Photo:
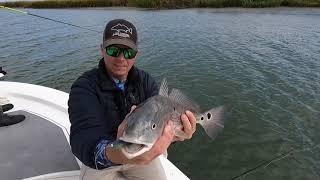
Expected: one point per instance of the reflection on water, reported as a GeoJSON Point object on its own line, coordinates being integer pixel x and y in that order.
{"type": "Point", "coordinates": [261, 63]}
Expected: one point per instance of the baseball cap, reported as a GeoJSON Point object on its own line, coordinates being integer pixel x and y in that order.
{"type": "Point", "coordinates": [120, 31]}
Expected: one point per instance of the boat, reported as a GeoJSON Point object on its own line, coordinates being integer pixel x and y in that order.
{"type": "Point", "coordinates": [38, 147]}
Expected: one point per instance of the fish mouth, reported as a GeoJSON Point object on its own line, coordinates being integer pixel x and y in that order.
{"type": "Point", "coordinates": [134, 148]}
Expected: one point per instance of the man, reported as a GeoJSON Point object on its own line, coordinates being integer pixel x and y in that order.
{"type": "Point", "coordinates": [99, 101]}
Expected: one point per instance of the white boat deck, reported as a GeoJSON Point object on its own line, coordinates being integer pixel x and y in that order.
{"type": "Point", "coordinates": [50, 105]}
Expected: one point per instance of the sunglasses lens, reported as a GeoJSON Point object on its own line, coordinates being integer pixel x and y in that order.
{"type": "Point", "coordinates": [113, 51]}
{"type": "Point", "coordinates": [129, 53]}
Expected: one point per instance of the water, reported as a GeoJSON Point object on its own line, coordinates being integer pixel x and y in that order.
{"type": "Point", "coordinates": [262, 63]}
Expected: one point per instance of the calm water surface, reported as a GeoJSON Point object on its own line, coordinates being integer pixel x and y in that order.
{"type": "Point", "coordinates": [263, 64]}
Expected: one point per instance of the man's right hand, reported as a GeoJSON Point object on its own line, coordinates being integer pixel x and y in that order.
{"type": "Point", "coordinates": [159, 147]}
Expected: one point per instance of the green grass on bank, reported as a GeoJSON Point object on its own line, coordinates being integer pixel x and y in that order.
{"type": "Point", "coordinates": [163, 3]}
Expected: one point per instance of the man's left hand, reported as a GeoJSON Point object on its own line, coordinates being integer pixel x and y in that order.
{"type": "Point", "coordinates": [189, 126]}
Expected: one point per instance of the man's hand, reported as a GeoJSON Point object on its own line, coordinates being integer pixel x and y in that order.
{"type": "Point", "coordinates": [159, 147]}
{"type": "Point", "coordinates": [189, 126]}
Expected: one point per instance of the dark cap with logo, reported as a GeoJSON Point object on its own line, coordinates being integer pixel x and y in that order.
{"type": "Point", "coordinates": [120, 31]}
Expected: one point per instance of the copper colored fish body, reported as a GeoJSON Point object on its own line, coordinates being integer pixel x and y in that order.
{"type": "Point", "coordinates": [145, 124]}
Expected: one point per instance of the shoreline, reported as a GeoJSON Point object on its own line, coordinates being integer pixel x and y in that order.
{"type": "Point", "coordinates": [162, 4]}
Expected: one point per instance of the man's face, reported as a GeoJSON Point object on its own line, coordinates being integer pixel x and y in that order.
{"type": "Point", "coordinates": [118, 67]}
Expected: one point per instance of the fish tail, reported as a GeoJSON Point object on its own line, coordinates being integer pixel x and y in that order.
{"type": "Point", "coordinates": [212, 121]}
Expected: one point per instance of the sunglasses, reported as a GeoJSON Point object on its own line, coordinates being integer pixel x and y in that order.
{"type": "Point", "coordinates": [115, 51]}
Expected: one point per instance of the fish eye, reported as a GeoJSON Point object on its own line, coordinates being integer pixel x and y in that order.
{"type": "Point", "coordinates": [154, 126]}
{"type": "Point", "coordinates": [201, 118]}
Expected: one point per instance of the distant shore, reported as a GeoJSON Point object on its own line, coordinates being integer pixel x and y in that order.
{"type": "Point", "coordinates": [163, 4]}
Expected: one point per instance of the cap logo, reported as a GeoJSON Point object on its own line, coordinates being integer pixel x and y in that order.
{"type": "Point", "coordinates": [121, 30]}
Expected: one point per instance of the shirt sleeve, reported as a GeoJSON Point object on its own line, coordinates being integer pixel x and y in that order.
{"type": "Point", "coordinates": [101, 160]}
{"type": "Point", "coordinates": [88, 122]}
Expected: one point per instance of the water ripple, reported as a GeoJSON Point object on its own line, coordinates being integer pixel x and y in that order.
{"type": "Point", "coordinates": [263, 64]}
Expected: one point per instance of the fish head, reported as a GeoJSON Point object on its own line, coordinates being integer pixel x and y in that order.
{"type": "Point", "coordinates": [144, 126]}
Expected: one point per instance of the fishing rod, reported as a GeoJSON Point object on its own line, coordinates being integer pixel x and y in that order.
{"type": "Point", "coordinates": [265, 164]}
{"type": "Point", "coordinates": [35, 15]}
{"type": "Point", "coordinates": [277, 158]}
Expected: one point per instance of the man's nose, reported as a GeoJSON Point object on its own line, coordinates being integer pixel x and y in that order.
{"type": "Point", "coordinates": [121, 57]}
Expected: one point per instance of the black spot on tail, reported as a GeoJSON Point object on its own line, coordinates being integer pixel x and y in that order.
{"type": "Point", "coordinates": [209, 115]}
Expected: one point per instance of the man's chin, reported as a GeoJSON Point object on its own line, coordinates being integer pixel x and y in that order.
{"type": "Point", "coordinates": [120, 75]}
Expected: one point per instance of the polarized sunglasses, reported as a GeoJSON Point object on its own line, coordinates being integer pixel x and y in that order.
{"type": "Point", "coordinates": [115, 51]}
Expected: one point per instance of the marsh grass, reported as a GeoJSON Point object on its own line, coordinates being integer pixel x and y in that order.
{"type": "Point", "coordinates": [159, 4]}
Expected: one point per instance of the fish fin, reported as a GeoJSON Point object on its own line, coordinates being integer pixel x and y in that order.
{"type": "Point", "coordinates": [212, 121]}
{"type": "Point", "coordinates": [164, 90]}
{"type": "Point", "coordinates": [177, 96]}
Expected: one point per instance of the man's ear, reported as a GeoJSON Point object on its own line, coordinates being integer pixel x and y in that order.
{"type": "Point", "coordinates": [101, 50]}
{"type": "Point", "coordinates": [138, 53]}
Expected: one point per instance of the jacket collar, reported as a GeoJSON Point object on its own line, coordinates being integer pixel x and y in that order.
{"type": "Point", "coordinates": [106, 82]}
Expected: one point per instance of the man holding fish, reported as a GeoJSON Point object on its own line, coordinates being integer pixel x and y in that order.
{"type": "Point", "coordinates": [112, 138]}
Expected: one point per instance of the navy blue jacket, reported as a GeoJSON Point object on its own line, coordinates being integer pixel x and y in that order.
{"type": "Point", "coordinates": [97, 107]}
